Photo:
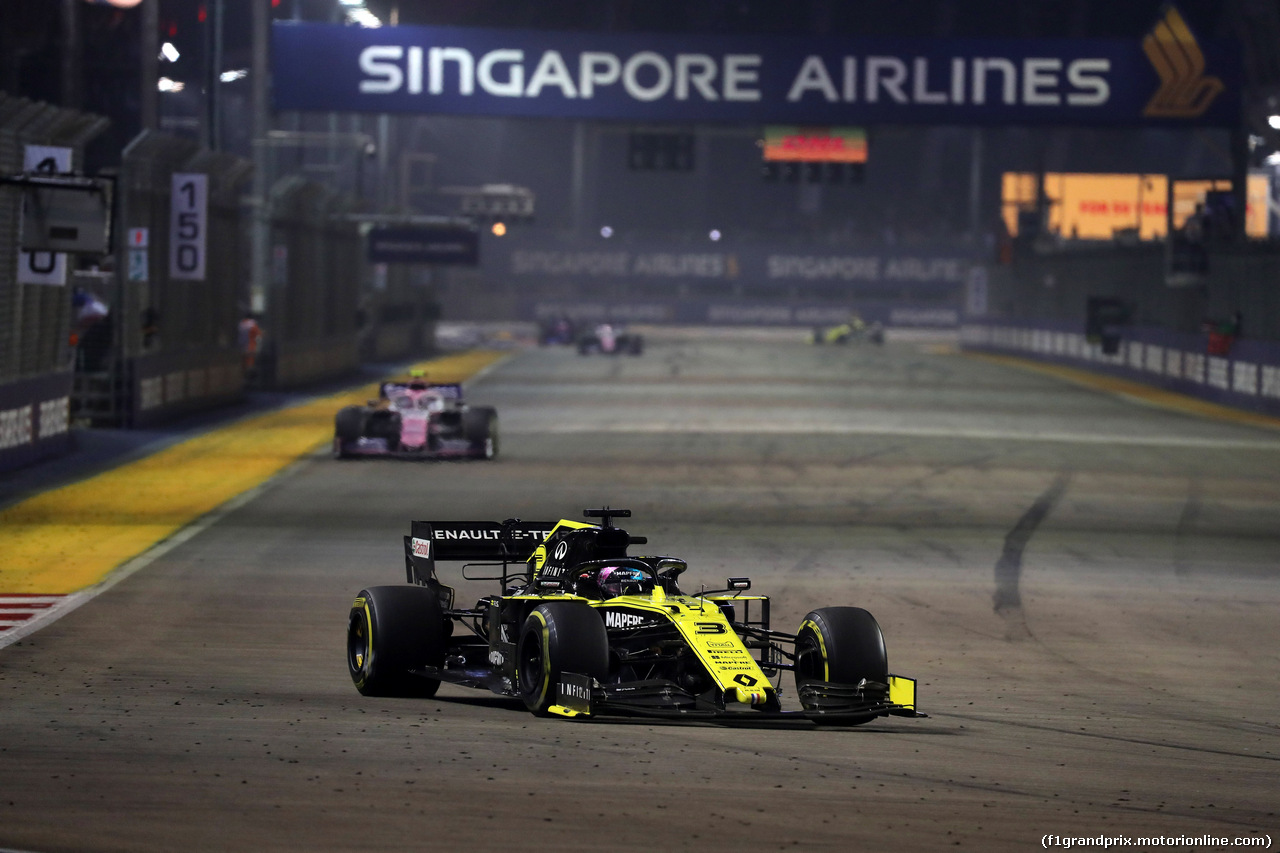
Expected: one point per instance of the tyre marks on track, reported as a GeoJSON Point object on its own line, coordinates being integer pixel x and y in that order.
{"type": "Point", "coordinates": [1183, 558]}
{"type": "Point", "coordinates": [1007, 600]}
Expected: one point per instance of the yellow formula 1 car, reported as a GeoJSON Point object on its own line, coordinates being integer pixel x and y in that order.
{"type": "Point", "coordinates": [854, 330]}
{"type": "Point", "coordinates": [584, 628]}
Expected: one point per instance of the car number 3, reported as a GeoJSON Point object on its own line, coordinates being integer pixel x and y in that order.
{"type": "Point", "coordinates": [709, 627]}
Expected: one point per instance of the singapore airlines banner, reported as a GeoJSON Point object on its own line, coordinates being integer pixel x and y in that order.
{"type": "Point", "coordinates": [1166, 78]}
{"type": "Point", "coordinates": [753, 284]}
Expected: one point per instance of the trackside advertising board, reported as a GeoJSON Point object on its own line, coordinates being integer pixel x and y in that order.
{"type": "Point", "coordinates": [424, 245]}
{"type": "Point", "coordinates": [1167, 77]}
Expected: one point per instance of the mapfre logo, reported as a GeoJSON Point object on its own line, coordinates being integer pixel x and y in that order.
{"type": "Point", "coordinates": [614, 619]}
{"type": "Point", "coordinates": [1185, 91]}
{"type": "Point", "coordinates": [421, 547]}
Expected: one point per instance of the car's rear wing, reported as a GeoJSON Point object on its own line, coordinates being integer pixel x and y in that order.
{"type": "Point", "coordinates": [510, 541]}
{"type": "Point", "coordinates": [447, 390]}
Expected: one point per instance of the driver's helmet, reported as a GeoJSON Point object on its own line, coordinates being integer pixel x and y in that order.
{"type": "Point", "coordinates": [623, 580]}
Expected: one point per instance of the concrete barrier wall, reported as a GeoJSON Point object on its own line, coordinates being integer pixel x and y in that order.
{"type": "Point", "coordinates": [34, 419]}
{"type": "Point", "coordinates": [1247, 378]}
{"type": "Point", "coordinates": [298, 364]}
{"type": "Point", "coordinates": [167, 386]}
{"type": "Point", "coordinates": [35, 318]}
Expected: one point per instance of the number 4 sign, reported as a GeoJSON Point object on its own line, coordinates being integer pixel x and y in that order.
{"type": "Point", "coordinates": [188, 218]}
{"type": "Point", "coordinates": [44, 267]}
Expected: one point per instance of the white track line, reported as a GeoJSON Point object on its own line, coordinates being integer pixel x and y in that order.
{"type": "Point", "coordinates": [146, 558]}
{"type": "Point", "coordinates": [16, 610]}
{"type": "Point", "coordinates": [45, 610]}
{"type": "Point", "coordinates": [739, 426]}
{"type": "Point", "coordinates": [34, 618]}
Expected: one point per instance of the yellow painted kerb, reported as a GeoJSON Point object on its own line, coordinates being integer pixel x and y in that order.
{"type": "Point", "coordinates": [1134, 390]}
{"type": "Point", "coordinates": [70, 538]}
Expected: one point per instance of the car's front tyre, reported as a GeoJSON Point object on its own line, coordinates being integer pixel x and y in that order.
{"type": "Point", "coordinates": [559, 637]}
{"type": "Point", "coordinates": [348, 427]}
{"type": "Point", "coordinates": [840, 645]}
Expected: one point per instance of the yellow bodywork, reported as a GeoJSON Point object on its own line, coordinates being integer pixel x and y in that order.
{"type": "Point", "coordinates": [699, 621]}
{"type": "Point", "coordinates": [708, 634]}
{"type": "Point", "coordinates": [902, 691]}
{"type": "Point", "coordinates": [712, 639]}
{"type": "Point", "coordinates": [539, 556]}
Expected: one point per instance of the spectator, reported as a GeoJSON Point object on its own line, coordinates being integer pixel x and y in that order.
{"type": "Point", "coordinates": [1190, 254]}
{"type": "Point", "coordinates": [1223, 334]}
{"type": "Point", "coordinates": [150, 326]}
{"type": "Point", "coordinates": [91, 334]}
{"type": "Point", "coordinates": [250, 343]}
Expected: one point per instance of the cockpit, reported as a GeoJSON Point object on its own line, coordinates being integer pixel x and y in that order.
{"type": "Point", "coordinates": [605, 579]}
{"type": "Point", "coordinates": [592, 562]}
{"type": "Point", "coordinates": [421, 403]}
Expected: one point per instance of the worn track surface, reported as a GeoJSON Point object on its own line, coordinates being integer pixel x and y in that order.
{"type": "Point", "coordinates": [1086, 589]}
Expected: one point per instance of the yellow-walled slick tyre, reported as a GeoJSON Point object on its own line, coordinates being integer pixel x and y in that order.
{"type": "Point", "coordinates": [840, 645]}
{"type": "Point", "coordinates": [559, 637]}
{"type": "Point", "coordinates": [392, 630]}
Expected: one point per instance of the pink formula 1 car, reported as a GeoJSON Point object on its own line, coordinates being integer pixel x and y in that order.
{"type": "Point", "coordinates": [610, 340]}
{"type": "Point", "coordinates": [417, 420]}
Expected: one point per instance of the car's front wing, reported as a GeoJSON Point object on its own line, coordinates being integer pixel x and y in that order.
{"type": "Point", "coordinates": [578, 695]}
{"type": "Point", "coordinates": [448, 449]}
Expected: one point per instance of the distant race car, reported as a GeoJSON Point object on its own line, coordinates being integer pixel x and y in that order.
{"type": "Point", "coordinates": [610, 340]}
{"type": "Point", "coordinates": [582, 628]}
{"type": "Point", "coordinates": [855, 330]}
{"type": "Point", "coordinates": [414, 419]}
{"type": "Point", "coordinates": [559, 331]}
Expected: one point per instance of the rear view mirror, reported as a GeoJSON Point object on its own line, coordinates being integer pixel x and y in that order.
{"type": "Point", "coordinates": [740, 584]}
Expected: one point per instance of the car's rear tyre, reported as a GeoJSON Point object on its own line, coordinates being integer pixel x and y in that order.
{"type": "Point", "coordinates": [348, 426]}
{"type": "Point", "coordinates": [390, 631]}
{"type": "Point", "coordinates": [559, 637]}
{"type": "Point", "coordinates": [480, 425]}
{"type": "Point", "coordinates": [841, 645]}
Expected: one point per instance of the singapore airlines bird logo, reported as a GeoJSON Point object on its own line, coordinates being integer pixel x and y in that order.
{"type": "Point", "coordinates": [1184, 90]}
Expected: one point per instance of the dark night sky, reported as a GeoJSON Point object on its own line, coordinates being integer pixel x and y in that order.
{"type": "Point", "coordinates": [30, 30]}
{"type": "Point", "coordinates": [916, 174]}
{"type": "Point", "coordinates": [1013, 18]}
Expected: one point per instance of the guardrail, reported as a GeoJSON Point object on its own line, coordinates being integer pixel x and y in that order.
{"type": "Point", "coordinates": [1246, 377]}
{"type": "Point", "coordinates": [35, 290]}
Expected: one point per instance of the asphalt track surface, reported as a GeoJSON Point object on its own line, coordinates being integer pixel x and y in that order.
{"type": "Point", "coordinates": [1085, 586]}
